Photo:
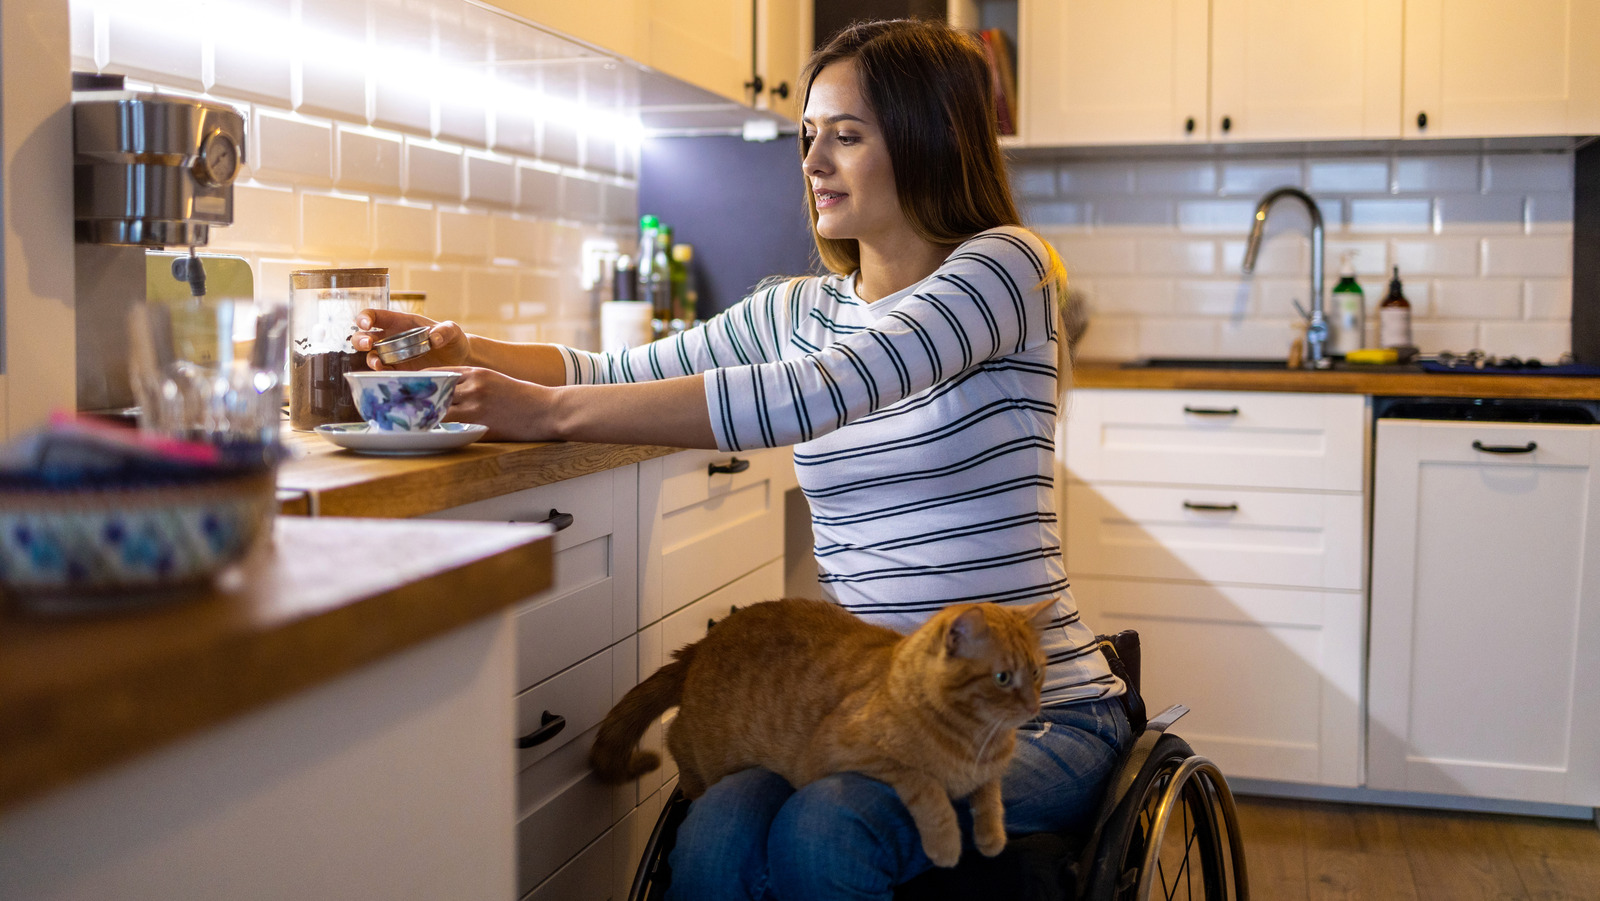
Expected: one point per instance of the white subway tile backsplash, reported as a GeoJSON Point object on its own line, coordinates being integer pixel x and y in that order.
{"type": "Point", "coordinates": [1218, 216]}
{"type": "Point", "coordinates": [581, 199]}
{"type": "Point", "coordinates": [81, 19]}
{"type": "Point", "coordinates": [1087, 255]}
{"type": "Point", "coordinates": [1109, 337]}
{"type": "Point", "coordinates": [272, 275]}
{"type": "Point", "coordinates": [399, 105]}
{"type": "Point", "coordinates": [1480, 213]}
{"type": "Point", "coordinates": [1095, 178]}
{"type": "Point", "coordinates": [432, 169]}
{"type": "Point", "coordinates": [336, 224]}
{"type": "Point", "coordinates": [264, 218]}
{"type": "Point", "coordinates": [560, 143]}
{"type": "Point", "coordinates": [1348, 176]}
{"type": "Point", "coordinates": [332, 85]}
{"type": "Point", "coordinates": [621, 202]}
{"type": "Point", "coordinates": [1525, 172]}
{"type": "Point", "coordinates": [464, 235]}
{"type": "Point", "coordinates": [1277, 297]}
{"type": "Point", "coordinates": [1437, 173]}
{"type": "Point", "coordinates": [491, 180]}
{"type": "Point", "coordinates": [1160, 177]}
{"type": "Point", "coordinates": [252, 65]}
{"type": "Point", "coordinates": [1213, 298]}
{"type": "Point", "coordinates": [1404, 215]}
{"type": "Point", "coordinates": [516, 130]}
{"type": "Point", "coordinates": [538, 189]}
{"type": "Point", "coordinates": [465, 119]}
{"type": "Point", "coordinates": [1258, 177]}
{"type": "Point", "coordinates": [1144, 296]}
{"type": "Point", "coordinates": [1063, 213]}
{"type": "Point", "coordinates": [1178, 338]}
{"type": "Point", "coordinates": [492, 293]}
{"type": "Point", "coordinates": [1279, 254]}
{"type": "Point", "coordinates": [293, 148]}
{"type": "Point", "coordinates": [1540, 255]}
{"type": "Point", "coordinates": [1034, 181]}
{"type": "Point", "coordinates": [1368, 257]}
{"type": "Point", "coordinates": [523, 240]}
{"type": "Point", "coordinates": [1546, 341]}
{"type": "Point", "coordinates": [446, 287]}
{"type": "Point", "coordinates": [1549, 213]}
{"type": "Point", "coordinates": [143, 46]}
{"type": "Point", "coordinates": [1437, 256]}
{"type": "Point", "coordinates": [1479, 298]}
{"type": "Point", "coordinates": [1267, 339]}
{"type": "Point", "coordinates": [369, 160]}
{"type": "Point", "coordinates": [1433, 336]}
{"type": "Point", "coordinates": [1159, 256]}
{"type": "Point", "coordinates": [405, 230]}
{"type": "Point", "coordinates": [1134, 212]}
{"type": "Point", "coordinates": [1548, 298]}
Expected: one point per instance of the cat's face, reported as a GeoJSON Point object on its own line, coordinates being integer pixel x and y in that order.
{"type": "Point", "coordinates": [993, 660]}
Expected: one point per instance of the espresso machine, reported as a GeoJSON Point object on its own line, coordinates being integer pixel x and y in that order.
{"type": "Point", "coordinates": [152, 173]}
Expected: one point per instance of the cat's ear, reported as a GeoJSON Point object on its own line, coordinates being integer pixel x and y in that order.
{"type": "Point", "coordinates": [1040, 615]}
{"type": "Point", "coordinates": [966, 628]}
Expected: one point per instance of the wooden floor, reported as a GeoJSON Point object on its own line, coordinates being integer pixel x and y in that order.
{"type": "Point", "coordinates": [1308, 851]}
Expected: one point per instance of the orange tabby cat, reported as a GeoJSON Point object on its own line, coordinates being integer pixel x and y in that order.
{"type": "Point", "coordinates": [806, 689]}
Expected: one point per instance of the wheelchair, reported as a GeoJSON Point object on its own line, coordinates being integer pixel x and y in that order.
{"type": "Point", "coordinates": [1166, 828]}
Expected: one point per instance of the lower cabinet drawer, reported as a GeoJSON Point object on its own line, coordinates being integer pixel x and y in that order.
{"type": "Point", "coordinates": [1273, 676]}
{"type": "Point", "coordinates": [1305, 539]}
{"type": "Point", "coordinates": [564, 806]}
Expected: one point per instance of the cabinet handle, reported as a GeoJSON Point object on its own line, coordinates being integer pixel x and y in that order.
{"type": "Point", "coordinates": [1211, 411]}
{"type": "Point", "coordinates": [1227, 124]}
{"type": "Point", "coordinates": [734, 464]}
{"type": "Point", "coordinates": [1211, 508]}
{"type": "Point", "coordinates": [1188, 126]}
{"type": "Point", "coordinates": [1529, 448]}
{"type": "Point", "coordinates": [557, 519]}
{"type": "Point", "coordinates": [1422, 120]}
{"type": "Point", "coordinates": [549, 725]}
{"type": "Point", "coordinates": [781, 90]}
{"type": "Point", "coordinates": [711, 623]}
{"type": "Point", "coordinates": [755, 85]}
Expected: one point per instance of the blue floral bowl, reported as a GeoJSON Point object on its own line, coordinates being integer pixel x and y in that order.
{"type": "Point", "coordinates": [98, 543]}
{"type": "Point", "coordinates": [402, 401]}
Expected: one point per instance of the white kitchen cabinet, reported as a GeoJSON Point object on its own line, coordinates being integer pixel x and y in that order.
{"type": "Point", "coordinates": [1485, 647]}
{"type": "Point", "coordinates": [1171, 71]}
{"type": "Point", "coordinates": [1498, 67]}
{"type": "Point", "coordinates": [1229, 528]}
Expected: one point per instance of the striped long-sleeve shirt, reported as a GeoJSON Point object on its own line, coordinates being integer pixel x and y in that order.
{"type": "Point", "coordinates": [923, 426]}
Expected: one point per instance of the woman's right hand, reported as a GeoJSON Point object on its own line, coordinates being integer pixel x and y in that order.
{"type": "Point", "coordinates": [451, 346]}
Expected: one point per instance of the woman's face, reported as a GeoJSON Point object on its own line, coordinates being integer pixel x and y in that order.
{"type": "Point", "coordinates": [847, 166]}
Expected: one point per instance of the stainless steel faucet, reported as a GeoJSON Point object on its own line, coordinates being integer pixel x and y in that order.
{"type": "Point", "coordinates": [1316, 318]}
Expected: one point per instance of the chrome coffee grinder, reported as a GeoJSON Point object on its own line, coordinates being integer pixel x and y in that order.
{"type": "Point", "coordinates": [151, 172]}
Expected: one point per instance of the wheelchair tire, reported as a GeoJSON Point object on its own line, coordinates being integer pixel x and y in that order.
{"type": "Point", "coordinates": [1190, 863]}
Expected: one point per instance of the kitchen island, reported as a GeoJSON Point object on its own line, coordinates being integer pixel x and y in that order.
{"type": "Point", "coordinates": [1378, 381]}
{"type": "Point", "coordinates": [330, 721]}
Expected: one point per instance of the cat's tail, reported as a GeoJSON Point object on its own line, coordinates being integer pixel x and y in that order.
{"type": "Point", "coordinates": [616, 756]}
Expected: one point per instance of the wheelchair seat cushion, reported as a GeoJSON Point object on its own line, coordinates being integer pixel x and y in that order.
{"type": "Point", "coordinates": [1038, 867]}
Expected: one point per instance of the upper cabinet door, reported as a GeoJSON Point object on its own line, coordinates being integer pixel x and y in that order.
{"type": "Point", "coordinates": [613, 25]}
{"type": "Point", "coordinates": [708, 44]}
{"type": "Point", "coordinates": [783, 35]}
{"type": "Point", "coordinates": [1501, 67]}
{"type": "Point", "coordinates": [1113, 71]}
{"type": "Point", "coordinates": [1305, 69]}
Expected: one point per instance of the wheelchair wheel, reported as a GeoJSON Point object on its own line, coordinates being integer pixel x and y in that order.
{"type": "Point", "coordinates": [1174, 836]}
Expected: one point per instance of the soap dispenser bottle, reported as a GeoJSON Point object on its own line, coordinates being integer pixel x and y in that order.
{"type": "Point", "coordinates": [1394, 316]}
{"type": "Point", "coordinates": [1349, 309]}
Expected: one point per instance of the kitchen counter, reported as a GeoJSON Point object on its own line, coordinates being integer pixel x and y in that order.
{"type": "Point", "coordinates": [1376, 380]}
{"type": "Point", "coordinates": [327, 597]}
{"type": "Point", "coordinates": [321, 479]}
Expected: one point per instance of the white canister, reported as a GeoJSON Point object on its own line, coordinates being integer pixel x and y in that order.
{"type": "Point", "coordinates": [625, 324]}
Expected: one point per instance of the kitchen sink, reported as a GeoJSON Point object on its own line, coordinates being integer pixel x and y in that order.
{"type": "Point", "coordinates": [1205, 363]}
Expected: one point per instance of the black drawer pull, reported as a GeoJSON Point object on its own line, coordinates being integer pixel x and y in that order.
{"type": "Point", "coordinates": [549, 725]}
{"type": "Point", "coordinates": [1504, 448]}
{"type": "Point", "coordinates": [733, 465]}
{"type": "Point", "coordinates": [1211, 508]}
{"type": "Point", "coordinates": [557, 519]}
{"type": "Point", "coordinates": [711, 623]}
{"type": "Point", "coordinates": [1211, 411]}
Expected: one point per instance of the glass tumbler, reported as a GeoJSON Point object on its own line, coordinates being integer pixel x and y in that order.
{"type": "Point", "coordinates": [325, 304]}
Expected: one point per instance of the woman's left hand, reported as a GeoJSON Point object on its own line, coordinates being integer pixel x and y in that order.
{"type": "Point", "coordinates": [513, 410]}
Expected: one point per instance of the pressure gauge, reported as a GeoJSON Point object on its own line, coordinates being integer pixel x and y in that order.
{"type": "Point", "coordinates": [218, 164]}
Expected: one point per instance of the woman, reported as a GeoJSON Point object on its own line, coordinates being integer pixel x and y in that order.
{"type": "Point", "coordinates": [918, 385]}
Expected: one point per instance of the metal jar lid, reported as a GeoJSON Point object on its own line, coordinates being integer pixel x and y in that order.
{"type": "Point", "coordinates": [404, 346]}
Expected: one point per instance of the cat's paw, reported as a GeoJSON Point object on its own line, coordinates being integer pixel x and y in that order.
{"type": "Point", "coordinates": [990, 841]}
{"type": "Point", "coordinates": [943, 846]}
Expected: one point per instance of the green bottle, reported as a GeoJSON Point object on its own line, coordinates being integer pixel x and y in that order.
{"type": "Point", "coordinates": [1349, 306]}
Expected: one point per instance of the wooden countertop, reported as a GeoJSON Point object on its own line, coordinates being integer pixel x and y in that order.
{"type": "Point", "coordinates": [1375, 380]}
{"type": "Point", "coordinates": [324, 597]}
{"type": "Point", "coordinates": [323, 480]}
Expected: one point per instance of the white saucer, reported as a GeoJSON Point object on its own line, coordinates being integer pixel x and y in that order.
{"type": "Point", "coordinates": [364, 439]}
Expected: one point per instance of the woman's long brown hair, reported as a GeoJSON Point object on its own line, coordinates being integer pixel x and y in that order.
{"type": "Point", "coordinates": [928, 84]}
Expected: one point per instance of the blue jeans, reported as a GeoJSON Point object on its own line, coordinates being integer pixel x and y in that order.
{"type": "Point", "coordinates": [752, 837]}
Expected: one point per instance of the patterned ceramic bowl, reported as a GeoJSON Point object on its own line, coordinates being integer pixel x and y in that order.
{"type": "Point", "coordinates": [64, 545]}
{"type": "Point", "coordinates": [397, 401]}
